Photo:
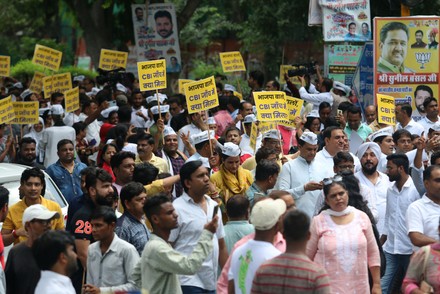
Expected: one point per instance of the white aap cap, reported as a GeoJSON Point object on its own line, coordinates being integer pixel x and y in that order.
{"type": "Point", "coordinates": [250, 118]}
{"type": "Point", "coordinates": [272, 134]}
{"type": "Point", "coordinates": [229, 88]}
{"type": "Point", "coordinates": [231, 149]}
{"type": "Point", "coordinates": [388, 131]}
{"type": "Point", "coordinates": [106, 112]}
{"type": "Point", "coordinates": [162, 98]}
{"type": "Point", "coordinates": [57, 109]}
{"type": "Point", "coordinates": [211, 121]}
{"type": "Point", "coordinates": [168, 131]}
{"type": "Point", "coordinates": [310, 138]}
{"type": "Point", "coordinates": [120, 87]}
{"type": "Point", "coordinates": [202, 137]}
{"type": "Point", "coordinates": [163, 109]}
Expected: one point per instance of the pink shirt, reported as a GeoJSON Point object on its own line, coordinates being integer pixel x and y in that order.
{"type": "Point", "coordinates": [223, 120]}
{"type": "Point", "coordinates": [345, 251]}
{"type": "Point", "coordinates": [288, 136]}
{"type": "Point", "coordinates": [222, 283]}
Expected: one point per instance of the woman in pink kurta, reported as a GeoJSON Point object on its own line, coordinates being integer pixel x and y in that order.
{"type": "Point", "coordinates": [342, 241]}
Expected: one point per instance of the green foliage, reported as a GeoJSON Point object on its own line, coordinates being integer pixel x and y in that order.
{"type": "Point", "coordinates": [24, 71]}
{"type": "Point", "coordinates": [201, 69]}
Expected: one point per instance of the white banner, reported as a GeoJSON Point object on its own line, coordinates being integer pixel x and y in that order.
{"type": "Point", "coordinates": [156, 34]}
{"type": "Point", "coordinates": [346, 20]}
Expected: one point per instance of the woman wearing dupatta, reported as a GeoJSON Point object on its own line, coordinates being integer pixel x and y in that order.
{"type": "Point", "coordinates": [36, 132]}
{"type": "Point", "coordinates": [231, 179]}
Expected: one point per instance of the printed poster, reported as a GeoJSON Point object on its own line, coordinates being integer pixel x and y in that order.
{"type": "Point", "coordinates": [346, 20]}
{"type": "Point", "coordinates": [406, 60]}
{"type": "Point", "coordinates": [156, 34]}
{"type": "Point", "coordinates": [342, 60]}
{"type": "Point", "coordinates": [363, 83]}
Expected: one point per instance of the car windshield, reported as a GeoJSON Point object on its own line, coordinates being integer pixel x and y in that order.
{"type": "Point", "coordinates": [51, 192]}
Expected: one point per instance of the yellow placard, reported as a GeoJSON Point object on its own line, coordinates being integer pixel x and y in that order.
{"type": "Point", "coordinates": [201, 95]}
{"type": "Point", "coordinates": [57, 83]}
{"type": "Point", "coordinates": [71, 99]}
{"type": "Point", "coordinates": [36, 85]}
{"type": "Point", "coordinates": [152, 75]}
{"type": "Point", "coordinates": [253, 136]}
{"type": "Point", "coordinates": [284, 68]}
{"type": "Point", "coordinates": [232, 61]}
{"type": "Point", "coordinates": [238, 95]}
{"type": "Point", "coordinates": [183, 82]}
{"type": "Point", "coordinates": [271, 106]}
{"type": "Point", "coordinates": [112, 59]}
{"type": "Point", "coordinates": [47, 57]}
{"type": "Point", "coordinates": [6, 110]}
{"type": "Point", "coordinates": [5, 66]}
{"type": "Point", "coordinates": [25, 113]}
{"type": "Point", "coordinates": [264, 126]}
{"type": "Point", "coordinates": [386, 108]}
{"type": "Point", "coordinates": [294, 105]}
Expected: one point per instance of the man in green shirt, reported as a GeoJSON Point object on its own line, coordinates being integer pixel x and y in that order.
{"type": "Point", "coordinates": [160, 264]}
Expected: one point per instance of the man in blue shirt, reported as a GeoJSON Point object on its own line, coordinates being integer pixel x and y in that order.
{"type": "Point", "coordinates": [65, 171]}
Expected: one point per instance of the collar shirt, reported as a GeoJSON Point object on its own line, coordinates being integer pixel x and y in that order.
{"type": "Point", "coordinates": [133, 231]}
{"type": "Point", "coordinates": [413, 127]}
{"type": "Point", "coordinates": [426, 124]}
{"type": "Point", "coordinates": [326, 161]}
{"type": "Point", "coordinates": [252, 190]}
{"type": "Point", "coordinates": [192, 219]}
{"type": "Point", "coordinates": [293, 177]}
{"type": "Point", "coordinates": [379, 192]}
{"type": "Point", "coordinates": [245, 144]}
{"type": "Point", "coordinates": [315, 99]}
{"type": "Point", "coordinates": [422, 216]}
{"type": "Point", "coordinates": [383, 66]}
{"type": "Point", "coordinates": [52, 282]}
{"type": "Point", "coordinates": [398, 202]}
{"type": "Point", "coordinates": [111, 271]}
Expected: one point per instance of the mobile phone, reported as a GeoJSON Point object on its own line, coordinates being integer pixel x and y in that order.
{"type": "Point", "coordinates": [112, 103]}
{"type": "Point", "coordinates": [215, 211]}
{"type": "Point", "coordinates": [339, 112]}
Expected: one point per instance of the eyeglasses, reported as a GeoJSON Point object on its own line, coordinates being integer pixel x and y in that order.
{"type": "Point", "coordinates": [335, 179]}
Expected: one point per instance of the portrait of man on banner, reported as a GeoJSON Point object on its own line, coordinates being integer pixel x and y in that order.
{"type": "Point", "coordinates": [393, 46]}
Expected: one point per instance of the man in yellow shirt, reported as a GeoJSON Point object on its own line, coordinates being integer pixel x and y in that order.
{"type": "Point", "coordinates": [31, 184]}
{"type": "Point", "coordinates": [145, 147]}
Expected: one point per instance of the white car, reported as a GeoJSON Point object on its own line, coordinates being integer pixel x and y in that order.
{"type": "Point", "coordinates": [10, 175]}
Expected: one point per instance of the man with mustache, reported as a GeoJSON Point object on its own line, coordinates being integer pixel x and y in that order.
{"type": "Point", "coordinates": [394, 46]}
{"type": "Point", "coordinates": [164, 23]}
{"type": "Point", "coordinates": [377, 182]}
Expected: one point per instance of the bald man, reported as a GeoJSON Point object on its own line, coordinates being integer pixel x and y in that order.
{"type": "Point", "coordinates": [371, 117]}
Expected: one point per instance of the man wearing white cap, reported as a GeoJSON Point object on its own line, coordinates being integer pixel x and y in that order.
{"type": "Point", "coordinates": [270, 139]}
{"type": "Point", "coordinates": [22, 271]}
{"type": "Point", "coordinates": [51, 136]}
{"type": "Point", "coordinates": [383, 137]}
{"type": "Point", "coordinates": [266, 216]}
{"type": "Point", "coordinates": [246, 137]}
{"type": "Point", "coordinates": [173, 157]}
{"type": "Point", "coordinates": [302, 177]}
{"type": "Point", "coordinates": [203, 147]}
{"type": "Point", "coordinates": [195, 127]}
{"type": "Point", "coordinates": [378, 183]}
{"type": "Point", "coordinates": [228, 90]}
{"type": "Point", "coordinates": [162, 119]}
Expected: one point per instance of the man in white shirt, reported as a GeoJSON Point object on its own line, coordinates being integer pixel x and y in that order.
{"type": "Point", "coordinates": [55, 255]}
{"type": "Point", "coordinates": [396, 243]}
{"type": "Point", "coordinates": [195, 209]}
{"type": "Point", "coordinates": [431, 108]}
{"type": "Point", "coordinates": [403, 117]}
{"type": "Point", "coordinates": [245, 142]}
{"type": "Point", "coordinates": [302, 177]}
{"type": "Point", "coordinates": [377, 182]}
{"type": "Point", "coordinates": [110, 260]}
{"type": "Point", "coordinates": [266, 216]}
{"type": "Point", "coordinates": [334, 139]}
{"type": "Point", "coordinates": [422, 216]}
{"type": "Point", "coordinates": [139, 114]}
{"type": "Point", "coordinates": [316, 99]}
{"type": "Point", "coordinates": [204, 148]}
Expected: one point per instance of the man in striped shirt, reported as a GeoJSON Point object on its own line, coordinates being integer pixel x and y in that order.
{"type": "Point", "coordinates": [292, 271]}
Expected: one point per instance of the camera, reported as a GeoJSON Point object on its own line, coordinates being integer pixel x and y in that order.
{"type": "Point", "coordinates": [301, 69]}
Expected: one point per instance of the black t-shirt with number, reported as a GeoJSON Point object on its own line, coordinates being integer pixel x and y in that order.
{"type": "Point", "coordinates": [80, 225]}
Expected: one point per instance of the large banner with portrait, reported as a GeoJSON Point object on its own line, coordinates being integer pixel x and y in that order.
{"type": "Point", "coordinates": [346, 20]}
{"type": "Point", "coordinates": [406, 60]}
{"type": "Point", "coordinates": [156, 34]}
{"type": "Point", "coordinates": [342, 60]}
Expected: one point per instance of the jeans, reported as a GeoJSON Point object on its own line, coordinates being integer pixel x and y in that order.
{"type": "Point", "coordinates": [195, 290]}
{"type": "Point", "coordinates": [397, 265]}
